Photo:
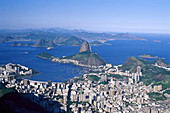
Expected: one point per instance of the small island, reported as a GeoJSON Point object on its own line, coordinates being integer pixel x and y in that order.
{"type": "Point", "coordinates": [147, 56]}
{"type": "Point", "coordinates": [39, 43]}
{"type": "Point", "coordinates": [156, 41]}
{"type": "Point", "coordinates": [45, 55]}
{"type": "Point", "coordinates": [96, 43]}
{"type": "Point", "coordinates": [21, 44]}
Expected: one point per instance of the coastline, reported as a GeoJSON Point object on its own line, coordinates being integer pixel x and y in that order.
{"type": "Point", "coordinates": [23, 77]}
{"type": "Point", "coordinates": [51, 73]}
{"type": "Point", "coordinates": [149, 56]}
{"type": "Point", "coordinates": [68, 61]}
{"type": "Point", "coordinates": [50, 57]}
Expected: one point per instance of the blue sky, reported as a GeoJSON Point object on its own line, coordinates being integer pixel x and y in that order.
{"type": "Point", "coordinates": [148, 16]}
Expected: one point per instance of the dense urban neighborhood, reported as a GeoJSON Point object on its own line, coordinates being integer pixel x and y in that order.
{"type": "Point", "coordinates": [104, 89]}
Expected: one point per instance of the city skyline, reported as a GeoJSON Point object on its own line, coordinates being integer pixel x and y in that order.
{"type": "Point", "coordinates": [97, 15]}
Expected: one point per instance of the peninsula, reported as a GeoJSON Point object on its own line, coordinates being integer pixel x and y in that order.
{"type": "Point", "coordinates": [85, 57]}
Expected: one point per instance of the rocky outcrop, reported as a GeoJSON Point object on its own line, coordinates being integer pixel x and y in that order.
{"type": "Point", "coordinates": [96, 60]}
{"type": "Point", "coordinates": [85, 47]}
{"type": "Point", "coordinates": [88, 58]}
{"type": "Point", "coordinates": [21, 44]}
{"type": "Point", "coordinates": [70, 41]}
{"type": "Point", "coordinates": [39, 43]}
{"type": "Point", "coordinates": [160, 62]}
{"type": "Point", "coordinates": [132, 63]}
{"type": "Point", "coordinates": [84, 58]}
{"type": "Point", "coordinates": [43, 43]}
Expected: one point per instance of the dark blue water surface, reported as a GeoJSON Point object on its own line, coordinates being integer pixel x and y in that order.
{"type": "Point", "coordinates": [49, 70]}
{"type": "Point", "coordinates": [116, 53]}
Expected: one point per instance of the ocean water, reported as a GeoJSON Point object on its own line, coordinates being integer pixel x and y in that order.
{"type": "Point", "coordinates": [116, 54]}
{"type": "Point", "coordinates": [57, 72]}
{"type": "Point", "coordinates": [120, 50]}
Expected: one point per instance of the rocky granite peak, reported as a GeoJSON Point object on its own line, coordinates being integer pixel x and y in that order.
{"type": "Point", "coordinates": [44, 43]}
{"type": "Point", "coordinates": [39, 42]}
{"type": "Point", "coordinates": [85, 47]}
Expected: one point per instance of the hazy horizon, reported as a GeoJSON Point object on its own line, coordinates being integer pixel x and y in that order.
{"type": "Point", "coordinates": [132, 16]}
{"type": "Point", "coordinates": [83, 30]}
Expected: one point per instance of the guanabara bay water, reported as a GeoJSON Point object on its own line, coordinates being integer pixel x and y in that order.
{"type": "Point", "coordinates": [115, 53]}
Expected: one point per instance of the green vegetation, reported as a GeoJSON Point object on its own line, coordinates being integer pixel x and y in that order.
{"type": "Point", "coordinates": [104, 83]}
{"type": "Point", "coordinates": [167, 91]}
{"type": "Point", "coordinates": [3, 66]}
{"type": "Point", "coordinates": [79, 79]}
{"type": "Point", "coordinates": [96, 43]}
{"type": "Point", "coordinates": [157, 96]}
{"type": "Point", "coordinates": [44, 43]}
{"type": "Point", "coordinates": [13, 102]}
{"type": "Point", "coordinates": [117, 76]}
{"type": "Point", "coordinates": [59, 36]}
{"type": "Point", "coordinates": [132, 63]}
{"type": "Point", "coordinates": [35, 72]}
{"type": "Point", "coordinates": [160, 62]}
{"type": "Point", "coordinates": [93, 78]}
{"type": "Point", "coordinates": [45, 55]}
{"type": "Point", "coordinates": [1, 86]}
{"type": "Point", "coordinates": [152, 74]}
{"type": "Point", "coordinates": [71, 41]}
{"type": "Point", "coordinates": [127, 104]}
{"type": "Point", "coordinates": [165, 84]}
{"type": "Point", "coordinates": [52, 38]}
{"type": "Point", "coordinates": [4, 90]}
{"type": "Point", "coordinates": [21, 44]}
{"type": "Point", "coordinates": [147, 56]}
{"type": "Point", "coordinates": [87, 58]}
{"type": "Point", "coordinates": [31, 35]}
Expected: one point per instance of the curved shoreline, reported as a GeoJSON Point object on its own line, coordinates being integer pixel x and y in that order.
{"type": "Point", "coordinates": [66, 61]}
{"type": "Point", "coordinates": [23, 77]}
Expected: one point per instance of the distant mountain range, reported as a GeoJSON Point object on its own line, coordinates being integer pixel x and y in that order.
{"type": "Point", "coordinates": [62, 36]}
{"type": "Point", "coordinates": [70, 41]}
